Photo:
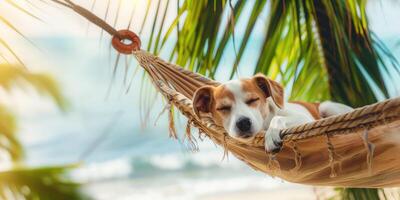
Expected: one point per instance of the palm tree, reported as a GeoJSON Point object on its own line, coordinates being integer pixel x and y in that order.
{"type": "Point", "coordinates": [320, 49]}
{"type": "Point", "coordinates": [18, 181]}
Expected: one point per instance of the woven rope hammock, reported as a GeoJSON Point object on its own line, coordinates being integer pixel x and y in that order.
{"type": "Point", "coordinates": [357, 149]}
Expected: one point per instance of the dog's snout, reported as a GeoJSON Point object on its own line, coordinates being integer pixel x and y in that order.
{"type": "Point", "coordinates": [244, 124]}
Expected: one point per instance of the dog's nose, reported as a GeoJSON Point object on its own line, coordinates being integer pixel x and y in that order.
{"type": "Point", "coordinates": [243, 124]}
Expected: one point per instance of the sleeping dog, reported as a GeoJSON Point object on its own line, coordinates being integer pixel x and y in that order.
{"type": "Point", "coordinates": [245, 107]}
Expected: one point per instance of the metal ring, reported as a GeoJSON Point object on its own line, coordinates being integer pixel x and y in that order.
{"type": "Point", "coordinates": [120, 46]}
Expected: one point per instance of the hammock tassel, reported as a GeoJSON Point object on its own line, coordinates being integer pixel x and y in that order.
{"type": "Point", "coordinates": [273, 164]}
{"type": "Point", "coordinates": [297, 157]}
{"type": "Point", "coordinates": [226, 153]}
{"type": "Point", "coordinates": [191, 140]}
{"type": "Point", "coordinates": [201, 135]}
{"type": "Point", "coordinates": [370, 150]}
{"type": "Point", "coordinates": [172, 130]}
{"type": "Point", "coordinates": [331, 151]}
{"type": "Point", "coordinates": [166, 107]}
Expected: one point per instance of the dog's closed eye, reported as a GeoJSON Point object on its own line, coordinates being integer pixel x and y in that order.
{"type": "Point", "coordinates": [252, 100]}
{"type": "Point", "coordinates": [224, 108]}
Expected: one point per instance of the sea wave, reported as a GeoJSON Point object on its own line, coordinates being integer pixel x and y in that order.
{"type": "Point", "coordinates": [154, 165]}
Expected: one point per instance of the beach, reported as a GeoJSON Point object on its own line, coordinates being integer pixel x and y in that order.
{"type": "Point", "coordinates": [124, 190]}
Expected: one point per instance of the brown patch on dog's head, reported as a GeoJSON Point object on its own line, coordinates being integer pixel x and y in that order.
{"type": "Point", "coordinates": [209, 99]}
{"type": "Point", "coordinates": [253, 92]}
{"type": "Point", "coordinates": [270, 88]}
{"type": "Point", "coordinates": [203, 99]}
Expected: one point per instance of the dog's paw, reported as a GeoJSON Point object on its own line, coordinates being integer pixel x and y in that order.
{"type": "Point", "coordinates": [273, 140]}
{"type": "Point", "coordinates": [278, 122]}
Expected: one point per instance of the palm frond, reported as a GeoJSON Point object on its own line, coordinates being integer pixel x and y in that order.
{"type": "Point", "coordinates": [45, 183]}
{"type": "Point", "coordinates": [14, 4]}
{"type": "Point", "coordinates": [354, 65]}
{"type": "Point", "coordinates": [8, 141]}
{"type": "Point", "coordinates": [360, 193]}
{"type": "Point", "coordinates": [17, 76]}
{"type": "Point", "coordinates": [13, 75]}
{"type": "Point", "coordinates": [22, 182]}
{"type": "Point", "coordinates": [305, 42]}
{"type": "Point", "coordinates": [5, 44]}
{"type": "Point", "coordinates": [198, 35]}
{"type": "Point", "coordinates": [8, 23]}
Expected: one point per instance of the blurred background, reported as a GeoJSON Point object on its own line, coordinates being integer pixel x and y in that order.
{"type": "Point", "coordinates": [81, 122]}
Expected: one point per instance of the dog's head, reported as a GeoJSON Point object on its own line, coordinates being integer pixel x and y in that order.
{"type": "Point", "coordinates": [240, 106]}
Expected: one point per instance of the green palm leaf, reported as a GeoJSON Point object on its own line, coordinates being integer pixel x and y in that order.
{"type": "Point", "coordinates": [45, 183]}
{"type": "Point", "coordinates": [8, 142]}
{"type": "Point", "coordinates": [14, 75]}
{"type": "Point", "coordinates": [9, 24]}
{"type": "Point", "coordinates": [10, 78]}
{"type": "Point", "coordinates": [360, 194]}
{"type": "Point", "coordinates": [305, 42]}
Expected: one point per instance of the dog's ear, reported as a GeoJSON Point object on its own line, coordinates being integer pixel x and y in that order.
{"type": "Point", "coordinates": [202, 100]}
{"type": "Point", "coordinates": [270, 88]}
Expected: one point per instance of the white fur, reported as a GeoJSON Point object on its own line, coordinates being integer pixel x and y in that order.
{"type": "Point", "coordinates": [277, 119]}
{"type": "Point", "coordinates": [329, 108]}
{"type": "Point", "coordinates": [241, 109]}
{"type": "Point", "coordinates": [294, 115]}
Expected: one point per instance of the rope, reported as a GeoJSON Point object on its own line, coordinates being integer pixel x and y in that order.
{"type": "Point", "coordinates": [367, 116]}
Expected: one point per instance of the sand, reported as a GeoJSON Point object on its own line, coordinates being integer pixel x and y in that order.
{"type": "Point", "coordinates": [282, 193]}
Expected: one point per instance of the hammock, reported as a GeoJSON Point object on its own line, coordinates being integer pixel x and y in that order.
{"type": "Point", "coordinates": [357, 149]}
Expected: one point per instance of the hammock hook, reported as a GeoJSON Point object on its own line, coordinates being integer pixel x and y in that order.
{"type": "Point", "coordinates": [124, 48]}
